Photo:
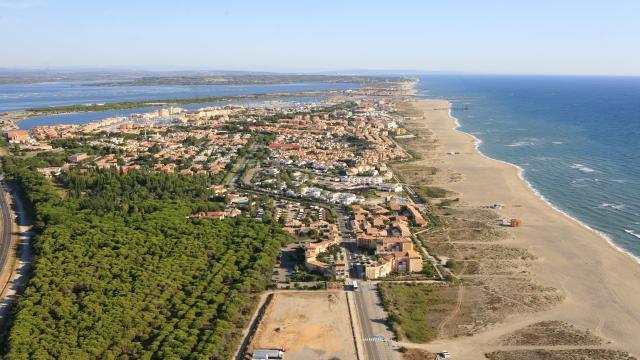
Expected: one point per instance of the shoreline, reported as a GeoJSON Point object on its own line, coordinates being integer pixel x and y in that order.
{"type": "Point", "coordinates": [521, 172]}
{"type": "Point", "coordinates": [599, 282]}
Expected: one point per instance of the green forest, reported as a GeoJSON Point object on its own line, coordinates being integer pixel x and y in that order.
{"type": "Point", "coordinates": [121, 271]}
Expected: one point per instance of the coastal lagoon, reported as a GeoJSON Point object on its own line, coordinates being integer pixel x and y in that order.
{"type": "Point", "coordinates": [26, 96]}
{"type": "Point", "coordinates": [85, 117]}
{"type": "Point", "coordinates": [575, 138]}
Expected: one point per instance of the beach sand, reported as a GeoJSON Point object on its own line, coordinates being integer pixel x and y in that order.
{"type": "Point", "coordinates": [601, 285]}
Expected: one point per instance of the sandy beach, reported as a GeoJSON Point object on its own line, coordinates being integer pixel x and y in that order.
{"type": "Point", "coordinates": [600, 285]}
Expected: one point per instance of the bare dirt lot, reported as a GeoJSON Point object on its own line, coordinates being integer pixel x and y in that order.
{"type": "Point", "coordinates": [309, 325]}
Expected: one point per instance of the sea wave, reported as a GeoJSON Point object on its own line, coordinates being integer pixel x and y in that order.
{"type": "Point", "coordinates": [612, 206]}
{"type": "Point", "coordinates": [620, 181]}
{"type": "Point", "coordinates": [631, 232]}
{"type": "Point", "coordinates": [582, 168]}
{"type": "Point", "coordinates": [521, 143]}
{"type": "Point", "coordinates": [582, 182]}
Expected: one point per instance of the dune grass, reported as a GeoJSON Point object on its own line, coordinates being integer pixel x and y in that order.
{"type": "Point", "coordinates": [414, 309]}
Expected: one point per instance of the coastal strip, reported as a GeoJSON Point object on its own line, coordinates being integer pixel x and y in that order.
{"type": "Point", "coordinates": [521, 171]}
{"type": "Point", "coordinates": [599, 284]}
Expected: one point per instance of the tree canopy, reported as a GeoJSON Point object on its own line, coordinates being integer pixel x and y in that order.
{"type": "Point", "coordinates": [121, 271]}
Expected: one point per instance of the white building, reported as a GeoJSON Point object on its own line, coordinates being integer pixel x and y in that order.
{"type": "Point", "coordinates": [361, 180]}
{"type": "Point", "coordinates": [390, 187]}
{"type": "Point", "coordinates": [267, 354]}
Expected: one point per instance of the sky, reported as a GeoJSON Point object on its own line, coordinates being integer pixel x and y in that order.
{"type": "Point", "coordinates": [507, 37]}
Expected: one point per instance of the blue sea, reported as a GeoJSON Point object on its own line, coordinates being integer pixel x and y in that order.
{"type": "Point", "coordinates": [576, 138]}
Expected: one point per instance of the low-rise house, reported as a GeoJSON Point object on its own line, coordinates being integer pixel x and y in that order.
{"type": "Point", "coordinates": [50, 171]}
{"type": "Point", "coordinates": [78, 157]}
{"type": "Point", "coordinates": [232, 212]}
{"type": "Point", "coordinates": [127, 169]}
{"type": "Point", "coordinates": [396, 203]}
{"type": "Point", "coordinates": [361, 180]}
{"type": "Point", "coordinates": [393, 244]}
{"type": "Point", "coordinates": [408, 261]}
{"type": "Point", "coordinates": [313, 250]}
{"type": "Point", "coordinates": [416, 217]}
{"type": "Point", "coordinates": [216, 215]}
{"type": "Point", "coordinates": [218, 189]}
{"type": "Point", "coordinates": [238, 199]}
{"type": "Point", "coordinates": [401, 227]}
{"type": "Point", "coordinates": [366, 241]}
{"type": "Point", "coordinates": [390, 187]}
{"type": "Point", "coordinates": [18, 136]}
{"type": "Point", "coordinates": [382, 267]}
{"type": "Point", "coordinates": [395, 254]}
{"type": "Point", "coordinates": [340, 270]}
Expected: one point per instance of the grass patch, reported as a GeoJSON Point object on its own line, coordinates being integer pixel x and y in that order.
{"type": "Point", "coordinates": [417, 354]}
{"type": "Point", "coordinates": [540, 354]}
{"type": "Point", "coordinates": [413, 308]}
{"type": "Point", "coordinates": [426, 192]}
{"type": "Point", "coordinates": [551, 333]}
{"type": "Point", "coordinates": [414, 174]}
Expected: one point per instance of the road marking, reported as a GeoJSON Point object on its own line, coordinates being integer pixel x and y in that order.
{"type": "Point", "coordinates": [374, 339]}
{"type": "Point", "coordinates": [378, 338]}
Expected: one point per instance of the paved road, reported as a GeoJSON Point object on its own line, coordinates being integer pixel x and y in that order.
{"type": "Point", "coordinates": [373, 322]}
{"type": "Point", "coordinates": [5, 240]}
{"type": "Point", "coordinates": [371, 314]}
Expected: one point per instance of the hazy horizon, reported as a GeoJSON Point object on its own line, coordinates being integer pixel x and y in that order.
{"type": "Point", "coordinates": [134, 71]}
{"type": "Point", "coordinates": [492, 37]}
